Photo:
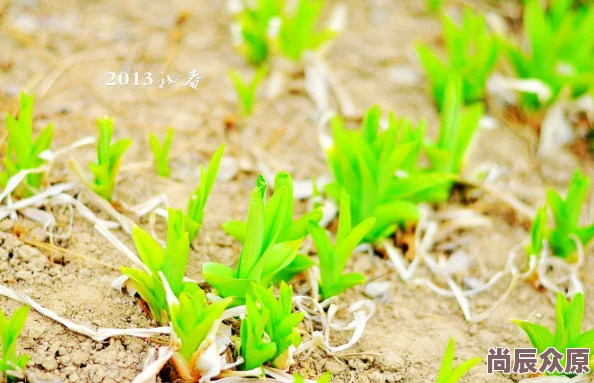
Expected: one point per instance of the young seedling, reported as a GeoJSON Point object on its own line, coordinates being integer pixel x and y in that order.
{"type": "Point", "coordinates": [333, 259]}
{"type": "Point", "coordinates": [566, 216]}
{"type": "Point", "coordinates": [568, 330]}
{"type": "Point", "coordinates": [268, 251]}
{"type": "Point", "coordinates": [299, 32]}
{"type": "Point", "coordinates": [161, 152]}
{"type": "Point", "coordinates": [458, 126]}
{"type": "Point", "coordinates": [171, 261]}
{"type": "Point", "coordinates": [193, 323]}
{"type": "Point", "coordinates": [109, 160]}
{"type": "Point", "coordinates": [254, 27]}
{"type": "Point", "coordinates": [561, 42]}
{"type": "Point", "coordinates": [448, 374]}
{"type": "Point", "coordinates": [434, 5]}
{"type": "Point", "coordinates": [268, 331]}
{"type": "Point", "coordinates": [290, 230]}
{"type": "Point", "coordinates": [325, 378]}
{"type": "Point", "coordinates": [365, 164]}
{"type": "Point", "coordinates": [23, 152]}
{"type": "Point", "coordinates": [195, 212]}
{"type": "Point", "coordinates": [471, 54]}
{"type": "Point", "coordinates": [12, 366]}
{"type": "Point", "coordinates": [246, 91]}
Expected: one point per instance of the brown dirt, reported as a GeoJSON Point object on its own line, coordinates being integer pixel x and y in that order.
{"type": "Point", "coordinates": [405, 340]}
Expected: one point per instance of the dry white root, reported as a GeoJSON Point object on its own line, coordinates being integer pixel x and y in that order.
{"type": "Point", "coordinates": [564, 277]}
{"type": "Point", "coordinates": [153, 365]}
{"type": "Point", "coordinates": [99, 335]}
{"type": "Point", "coordinates": [426, 235]}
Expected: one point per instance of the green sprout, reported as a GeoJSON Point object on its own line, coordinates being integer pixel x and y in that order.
{"type": "Point", "coordinates": [448, 374]}
{"type": "Point", "coordinates": [11, 365]}
{"type": "Point", "coordinates": [457, 128]}
{"type": "Point", "coordinates": [195, 212]}
{"type": "Point", "coordinates": [434, 6]}
{"type": "Point", "coordinates": [254, 25]}
{"type": "Point", "coordinates": [270, 239]}
{"type": "Point", "coordinates": [567, 331]}
{"type": "Point", "coordinates": [269, 328]}
{"type": "Point", "coordinates": [171, 261]}
{"type": "Point", "coordinates": [246, 91]}
{"type": "Point", "coordinates": [566, 217]}
{"type": "Point", "coordinates": [561, 43]}
{"type": "Point", "coordinates": [290, 230]}
{"type": "Point", "coordinates": [333, 259]}
{"type": "Point", "coordinates": [161, 152]}
{"type": "Point", "coordinates": [192, 322]}
{"type": "Point", "coordinates": [299, 32]}
{"type": "Point", "coordinates": [23, 152]}
{"type": "Point", "coordinates": [471, 54]}
{"type": "Point", "coordinates": [365, 163]}
{"type": "Point", "coordinates": [325, 378]}
{"type": "Point", "coordinates": [109, 160]}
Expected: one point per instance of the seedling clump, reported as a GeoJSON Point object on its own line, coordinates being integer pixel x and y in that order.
{"type": "Point", "coordinates": [246, 91]}
{"type": "Point", "coordinates": [471, 54]}
{"type": "Point", "coordinates": [457, 128]}
{"type": "Point", "coordinates": [109, 160]}
{"type": "Point", "coordinates": [271, 240]}
{"type": "Point", "coordinates": [560, 54]}
{"type": "Point", "coordinates": [268, 331]}
{"type": "Point", "coordinates": [195, 212]}
{"type": "Point", "coordinates": [161, 152]}
{"type": "Point", "coordinates": [566, 216]}
{"type": "Point", "coordinates": [266, 27]}
{"type": "Point", "coordinates": [365, 164]}
{"type": "Point", "coordinates": [447, 372]}
{"type": "Point", "coordinates": [333, 259]}
{"type": "Point", "coordinates": [299, 32]}
{"type": "Point", "coordinates": [171, 262]}
{"type": "Point", "coordinates": [568, 330]}
{"type": "Point", "coordinates": [11, 365]}
{"type": "Point", "coordinates": [193, 321]}
{"type": "Point", "coordinates": [23, 152]}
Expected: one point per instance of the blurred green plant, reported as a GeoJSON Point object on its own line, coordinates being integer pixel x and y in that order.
{"type": "Point", "coordinates": [333, 259]}
{"type": "Point", "coordinates": [254, 25]}
{"type": "Point", "coordinates": [195, 211]}
{"type": "Point", "coordinates": [109, 160]}
{"type": "Point", "coordinates": [566, 216]}
{"type": "Point", "coordinates": [447, 372]}
{"type": "Point", "coordinates": [264, 27]}
{"type": "Point", "coordinates": [299, 30]}
{"type": "Point", "coordinates": [325, 378]}
{"type": "Point", "coordinates": [458, 126]}
{"type": "Point", "coordinates": [161, 152]}
{"type": "Point", "coordinates": [23, 152]}
{"type": "Point", "coordinates": [568, 330]}
{"type": "Point", "coordinates": [269, 327]}
{"type": "Point", "coordinates": [246, 91]}
{"type": "Point", "coordinates": [11, 365]}
{"type": "Point", "coordinates": [561, 49]}
{"type": "Point", "coordinates": [471, 55]}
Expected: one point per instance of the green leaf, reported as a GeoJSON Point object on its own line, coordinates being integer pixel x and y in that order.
{"type": "Point", "coordinates": [540, 336]}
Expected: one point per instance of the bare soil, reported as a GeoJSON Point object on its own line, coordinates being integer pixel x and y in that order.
{"type": "Point", "coordinates": [62, 51]}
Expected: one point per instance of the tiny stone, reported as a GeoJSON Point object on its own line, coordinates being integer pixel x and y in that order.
{"type": "Point", "coordinates": [335, 367]}
{"type": "Point", "coordinates": [6, 224]}
{"type": "Point", "coordinates": [49, 364]}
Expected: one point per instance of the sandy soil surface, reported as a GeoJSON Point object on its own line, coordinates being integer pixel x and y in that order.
{"type": "Point", "coordinates": [63, 50]}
